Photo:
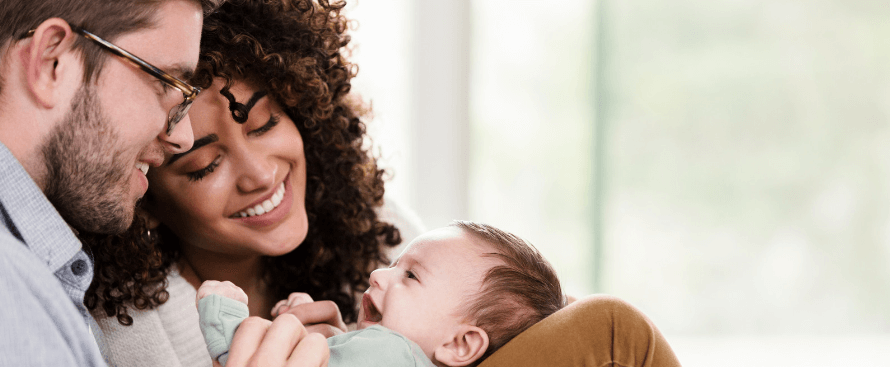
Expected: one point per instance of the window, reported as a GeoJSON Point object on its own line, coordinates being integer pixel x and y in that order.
{"type": "Point", "coordinates": [723, 165]}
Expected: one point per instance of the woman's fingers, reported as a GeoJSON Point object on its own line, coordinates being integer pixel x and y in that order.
{"type": "Point", "coordinates": [279, 342]}
{"type": "Point", "coordinates": [247, 340]}
{"type": "Point", "coordinates": [324, 330]}
{"type": "Point", "coordinates": [319, 312]}
{"type": "Point", "coordinates": [311, 352]}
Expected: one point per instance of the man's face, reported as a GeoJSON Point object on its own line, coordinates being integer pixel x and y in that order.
{"type": "Point", "coordinates": [98, 154]}
{"type": "Point", "coordinates": [423, 294]}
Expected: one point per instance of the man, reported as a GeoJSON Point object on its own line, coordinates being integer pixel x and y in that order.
{"type": "Point", "coordinates": [92, 94]}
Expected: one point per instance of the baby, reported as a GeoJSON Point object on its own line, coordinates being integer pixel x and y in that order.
{"type": "Point", "coordinates": [453, 297]}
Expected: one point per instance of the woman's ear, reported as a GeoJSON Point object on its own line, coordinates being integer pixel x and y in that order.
{"type": "Point", "coordinates": [46, 60]}
{"type": "Point", "coordinates": [151, 221]}
{"type": "Point", "coordinates": [467, 345]}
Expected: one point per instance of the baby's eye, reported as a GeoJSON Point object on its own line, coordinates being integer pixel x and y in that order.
{"type": "Point", "coordinates": [410, 274]}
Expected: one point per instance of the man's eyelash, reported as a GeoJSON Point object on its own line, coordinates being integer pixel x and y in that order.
{"type": "Point", "coordinates": [199, 174]}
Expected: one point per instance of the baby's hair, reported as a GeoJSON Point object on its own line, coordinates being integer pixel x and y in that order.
{"type": "Point", "coordinates": [515, 294]}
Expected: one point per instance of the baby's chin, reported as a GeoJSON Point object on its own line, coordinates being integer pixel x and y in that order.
{"type": "Point", "coordinates": [364, 324]}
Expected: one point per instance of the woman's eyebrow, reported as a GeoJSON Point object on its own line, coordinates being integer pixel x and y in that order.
{"type": "Point", "coordinates": [240, 110]}
{"type": "Point", "coordinates": [212, 138]}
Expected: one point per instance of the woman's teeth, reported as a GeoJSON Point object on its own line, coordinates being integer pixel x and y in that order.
{"type": "Point", "coordinates": [265, 206]}
{"type": "Point", "coordinates": [142, 166]}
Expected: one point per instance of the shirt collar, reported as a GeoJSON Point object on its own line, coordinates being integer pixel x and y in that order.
{"type": "Point", "coordinates": [44, 231]}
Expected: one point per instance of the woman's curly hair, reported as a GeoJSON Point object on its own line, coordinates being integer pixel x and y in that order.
{"type": "Point", "coordinates": [293, 49]}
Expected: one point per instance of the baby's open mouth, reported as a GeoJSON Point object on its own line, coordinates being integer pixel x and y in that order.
{"type": "Point", "coordinates": [371, 312]}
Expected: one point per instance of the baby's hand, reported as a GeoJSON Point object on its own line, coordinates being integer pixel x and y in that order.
{"type": "Point", "coordinates": [321, 317]}
{"type": "Point", "coordinates": [225, 289]}
{"type": "Point", "coordinates": [295, 299]}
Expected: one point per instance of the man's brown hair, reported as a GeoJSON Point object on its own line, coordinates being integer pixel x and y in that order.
{"type": "Point", "coordinates": [108, 19]}
{"type": "Point", "coordinates": [515, 294]}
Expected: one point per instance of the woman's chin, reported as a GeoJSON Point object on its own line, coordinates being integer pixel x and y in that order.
{"type": "Point", "coordinates": [281, 249]}
{"type": "Point", "coordinates": [291, 235]}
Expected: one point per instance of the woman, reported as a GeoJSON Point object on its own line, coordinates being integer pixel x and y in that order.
{"type": "Point", "coordinates": [279, 193]}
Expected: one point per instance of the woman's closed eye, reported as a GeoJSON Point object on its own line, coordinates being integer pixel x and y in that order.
{"type": "Point", "coordinates": [273, 121]}
{"type": "Point", "coordinates": [201, 173]}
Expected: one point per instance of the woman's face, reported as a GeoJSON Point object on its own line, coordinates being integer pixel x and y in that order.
{"type": "Point", "coordinates": [241, 188]}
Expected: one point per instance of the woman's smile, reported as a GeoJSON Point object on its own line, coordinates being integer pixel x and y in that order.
{"type": "Point", "coordinates": [248, 197]}
{"type": "Point", "coordinates": [269, 210]}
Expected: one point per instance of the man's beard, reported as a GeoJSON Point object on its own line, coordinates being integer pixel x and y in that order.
{"type": "Point", "coordinates": [87, 177]}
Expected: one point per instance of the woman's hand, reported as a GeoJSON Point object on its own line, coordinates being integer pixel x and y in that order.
{"type": "Point", "coordinates": [321, 317]}
{"type": "Point", "coordinates": [282, 342]}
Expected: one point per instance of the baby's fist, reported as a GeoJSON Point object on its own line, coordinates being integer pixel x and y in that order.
{"type": "Point", "coordinates": [225, 289]}
{"type": "Point", "coordinates": [295, 299]}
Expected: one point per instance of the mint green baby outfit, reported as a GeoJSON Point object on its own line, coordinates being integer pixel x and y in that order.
{"type": "Point", "coordinates": [375, 346]}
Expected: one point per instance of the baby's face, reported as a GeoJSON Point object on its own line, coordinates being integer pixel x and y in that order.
{"type": "Point", "coordinates": [421, 295]}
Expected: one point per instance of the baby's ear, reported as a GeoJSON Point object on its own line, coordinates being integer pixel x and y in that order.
{"type": "Point", "coordinates": [468, 344]}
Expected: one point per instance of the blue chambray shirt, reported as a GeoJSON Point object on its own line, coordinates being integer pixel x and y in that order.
{"type": "Point", "coordinates": [43, 276]}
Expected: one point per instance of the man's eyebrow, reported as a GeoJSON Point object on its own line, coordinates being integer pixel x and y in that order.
{"type": "Point", "coordinates": [212, 138]}
{"type": "Point", "coordinates": [180, 71]}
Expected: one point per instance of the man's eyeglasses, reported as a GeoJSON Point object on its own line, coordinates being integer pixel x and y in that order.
{"type": "Point", "coordinates": [188, 92]}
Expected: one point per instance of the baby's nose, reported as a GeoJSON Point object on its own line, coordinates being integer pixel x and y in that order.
{"type": "Point", "coordinates": [378, 278]}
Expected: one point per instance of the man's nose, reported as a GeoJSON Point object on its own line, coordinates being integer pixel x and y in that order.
{"type": "Point", "coordinates": [181, 138]}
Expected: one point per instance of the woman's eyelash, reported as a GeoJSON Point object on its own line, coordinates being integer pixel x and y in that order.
{"type": "Point", "coordinates": [273, 120]}
{"type": "Point", "coordinates": [199, 174]}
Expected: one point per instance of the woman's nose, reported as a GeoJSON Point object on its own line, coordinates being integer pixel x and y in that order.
{"type": "Point", "coordinates": [256, 171]}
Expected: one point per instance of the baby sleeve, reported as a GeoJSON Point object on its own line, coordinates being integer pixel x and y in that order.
{"type": "Point", "coordinates": [219, 317]}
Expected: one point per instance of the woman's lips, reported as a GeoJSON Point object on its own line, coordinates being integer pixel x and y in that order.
{"type": "Point", "coordinates": [269, 210]}
{"type": "Point", "coordinates": [264, 206]}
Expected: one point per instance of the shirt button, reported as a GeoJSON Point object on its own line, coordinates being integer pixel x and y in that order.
{"type": "Point", "coordinates": [79, 267]}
